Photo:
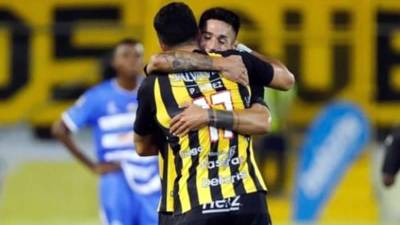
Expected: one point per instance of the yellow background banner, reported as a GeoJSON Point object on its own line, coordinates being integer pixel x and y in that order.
{"type": "Point", "coordinates": [342, 49]}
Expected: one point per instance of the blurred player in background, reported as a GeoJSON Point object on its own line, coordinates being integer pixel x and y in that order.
{"type": "Point", "coordinates": [129, 185]}
{"type": "Point", "coordinates": [391, 164]}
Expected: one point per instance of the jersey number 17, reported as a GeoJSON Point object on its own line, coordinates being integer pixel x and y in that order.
{"type": "Point", "coordinates": [220, 98]}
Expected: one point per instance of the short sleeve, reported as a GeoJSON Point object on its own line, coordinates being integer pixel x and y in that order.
{"type": "Point", "coordinates": [261, 73]}
{"type": "Point", "coordinates": [145, 122]}
{"type": "Point", "coordinates": [81, 113]}
{"type": "Point", "coordinates": [257, 95]}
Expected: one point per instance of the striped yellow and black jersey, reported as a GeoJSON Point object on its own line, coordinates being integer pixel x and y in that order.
{"type": "Point", "coordinates": [209, 164]}
{"type": "Point", "coordinates": [167, 176]}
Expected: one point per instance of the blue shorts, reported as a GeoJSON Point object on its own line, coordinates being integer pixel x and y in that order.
{"type": "Point", "coordinates": [121, 206]}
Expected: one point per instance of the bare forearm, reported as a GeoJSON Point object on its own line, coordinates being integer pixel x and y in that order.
{"type": "Point", "coordinates": [252, 121]}
{"type": "Point", "coordinates": [76, 152]}
{"type": "Point", "coordinates": [61, 133]}
{"type": "Point", "coordinates": [232, 67]}
{"type": "Point", "coordinates": [178, 61]}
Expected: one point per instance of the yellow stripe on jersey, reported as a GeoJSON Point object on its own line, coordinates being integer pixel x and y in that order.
{"type": "Point", "coordinates": [228, 189]}
{"type": "Point", "coordinates": [161, 165]}
{"type": "Point", "coordinates": [181, 96]}
{"type": "Point", "coordinates": [248, 182]}
{"type": "Point", "coordinates": [258, 173]}
{"type": "Point", "coordinates": [186, 163]}
{"type": "Point", "coordinates": [170, 180]}
{"type": "Point", "coordinates": [202, 169]}
{"type": "Point", "coordinates": [162, 114]}
{"type": "Point", "coordinates": [163, 118]}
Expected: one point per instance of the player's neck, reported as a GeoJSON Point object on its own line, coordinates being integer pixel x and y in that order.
{"type": "Point", "coordinates": [127, 84]}
{"type": "Point", "coordinates": [186, 47]}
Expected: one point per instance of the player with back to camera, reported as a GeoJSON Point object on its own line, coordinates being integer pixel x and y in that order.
{"type": "Point", "coordinates": [219, 29]}
{"type": "Point", "coordinates": [211, 165]}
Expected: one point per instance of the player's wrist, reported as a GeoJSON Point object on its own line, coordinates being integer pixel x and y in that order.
{"type": "Point", "coordinates": [218, 63]}
{"type": "Point", "coordinates": [204, 118]}
{"type": "Point", "coordinates": [221, 119]}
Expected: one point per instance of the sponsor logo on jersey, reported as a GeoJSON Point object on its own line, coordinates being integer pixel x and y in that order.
{"type": "Point", "coordinates": [217, 181]}
{"type": "Point", "coordinates": [221, 206]}
{"type": "Point", "coordinates": [191, 152]}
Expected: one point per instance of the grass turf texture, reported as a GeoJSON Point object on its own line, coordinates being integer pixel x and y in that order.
{"type": "Point", "coordinates": [49, 193]}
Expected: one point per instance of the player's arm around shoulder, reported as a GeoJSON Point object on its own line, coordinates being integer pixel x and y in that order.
{"type": "Point", "coordinates": [270, 72]}
{"type": "Point", "coordinates": [232, 67]}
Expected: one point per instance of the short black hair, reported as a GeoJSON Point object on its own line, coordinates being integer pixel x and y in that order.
{"type": "Point", "coordinates": [219, 13]}
{"type": "Point", "coordinates": [175, 24]}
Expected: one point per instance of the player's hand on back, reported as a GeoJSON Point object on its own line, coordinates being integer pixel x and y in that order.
{"type": "Point", "coordinates": [103, 168]}
{"type": "Point", "coordinates": [233, 68]}
{"type": "Point", "coordinates": [192, 118]}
